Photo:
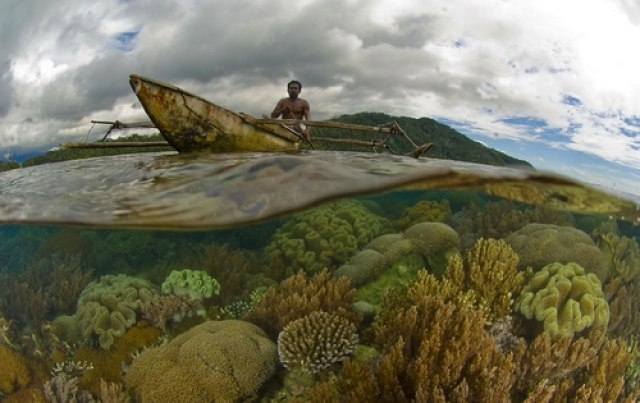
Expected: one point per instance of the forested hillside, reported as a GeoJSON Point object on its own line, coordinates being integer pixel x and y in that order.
{"type": "Point", "coordinates": [447, 143]}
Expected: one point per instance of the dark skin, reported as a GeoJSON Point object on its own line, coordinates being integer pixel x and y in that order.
{"type": "Point", "coordinates": [293, 108]}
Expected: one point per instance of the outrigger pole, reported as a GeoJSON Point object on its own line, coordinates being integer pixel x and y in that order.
{"type": "Point", "coordinates": [390, 129]}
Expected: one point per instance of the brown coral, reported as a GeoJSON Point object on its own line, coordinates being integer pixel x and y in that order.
{"type": "Point", "coordinates": [300, 295]}
{"type": "Point", "coordinates": [316, 341]}
{"type": "Point", "coordinates": [424, 211]}
{"type": "Point", "coordinates": [161, 309]}
{"type": "Point", "coordinates": [220, 361]}
{"type": "Point", "coordinates": [15, 372]}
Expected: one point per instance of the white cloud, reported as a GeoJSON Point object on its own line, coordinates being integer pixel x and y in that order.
{"type": "Point", "coordinates": [569, 64]}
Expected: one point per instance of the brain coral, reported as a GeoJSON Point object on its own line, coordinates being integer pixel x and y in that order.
{"type": "Point", "coordinates": [323, 237]}
{"type": "Point", "coordinates": [565, 298]}
{"type": "Point", "coordinates": [193, 284]}
{"type": "Point", "coordinates": [317, 341]}
{"type": "Point", "coordinates": [108, 307]}
{"type": "Point", "coordinates": [221, 361]}
{"type": "Point", "coordinates": [540, 244]}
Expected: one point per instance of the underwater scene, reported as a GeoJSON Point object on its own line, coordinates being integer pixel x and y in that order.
{"type": "Point", "coordinates": [314, 278]}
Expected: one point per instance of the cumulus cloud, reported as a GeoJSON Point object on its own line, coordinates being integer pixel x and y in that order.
{"type": "Point", "coordinates": [534, 72]}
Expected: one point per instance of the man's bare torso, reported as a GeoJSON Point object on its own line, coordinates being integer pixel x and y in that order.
{"type": "Point", "coordinates": [292, 109]}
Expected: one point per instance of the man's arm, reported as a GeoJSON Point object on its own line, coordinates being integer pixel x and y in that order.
{"type": "Point", "coordinates": [278, 110]}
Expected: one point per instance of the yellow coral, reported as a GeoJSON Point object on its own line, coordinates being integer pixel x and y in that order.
{"type": "Point", "coordinates": [14, 373]}
{"type": "Point", "coordinates": [565, 299]}
{"type": "Point", "coordinates": [323, 237]}
{"type": "Point", "coordinates": [622, 254]}
{"type": "Point", "coordinates": [424, 211]}
{"type": "Point", "coordinates": [221, 361]}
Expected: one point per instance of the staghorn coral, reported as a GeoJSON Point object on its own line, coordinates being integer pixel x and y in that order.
{"type": "Point", "coordinates": [192, 284]}
{"type": "Point", "coordinates": [221, 361]}
{"type": "Point", "coordinates": [316, 341]}
{"type": "Point", "coordinates": [162, 309]}
{"type": "Point", "coordinates": [68, 279]}
{"type": "Point", "coordinates": [624, 307]}
{"type": "Point", "coordinates": [424, 211]}
{"type": "Point", "coordinates": [24, 299]}
{"type": "Point", "coordinates": [489, 269]}
{"type": "Point", "coordinates": [14, 373]}
{"type": "Point", "coordinates": [300, 295]}
{"type": "Point", "coordinates": [323, 237]}
{"type": "Point", "coordinates": [109, 306]}
{"type": "Point", "coordinates": [565, 299]}
{"type": "Point", "coordinates": [64, 389]}
{"type": "Point", "coordinates": [540, 244]}
{"type": "Point", "coordinates": [113, 392]}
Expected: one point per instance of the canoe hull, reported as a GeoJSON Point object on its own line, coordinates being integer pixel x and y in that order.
{"type": "Point", "coordinates": [191, 123]}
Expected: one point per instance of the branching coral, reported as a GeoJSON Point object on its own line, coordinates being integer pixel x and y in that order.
{"type": "Point", "coordinates": [489, 269]}
{"type": "Point", "coordinates": [323, 237]}
{"type": "Point", "coordinates": [14, 373]}
{"type": "Point", "coordinates": [316, 341]}
{"type": "Point", "coordinates": [300, 295]}
{"type": "Point", "coordinates": [565, 299]}
{"type": "Point", "coordinates": [222, 361]}
{"type": "Point", "coordinates": [162, 309]}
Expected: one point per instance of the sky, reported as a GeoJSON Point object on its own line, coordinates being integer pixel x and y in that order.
{"type": "Point", "coordinates": [556, 83]}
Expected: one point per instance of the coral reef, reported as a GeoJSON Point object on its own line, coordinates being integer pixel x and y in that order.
{"type": "Point", "coordinates": [489, 270]}
{"type": "Point", "coordinates": [540, 244]}
{"type": "Point", "coordinates": [300, 295]}
{"type": "Point", "coordinates": [316, 341]}
{"type": "Point", "coordinates": [565, 299]}
{"type": "Point", "coordinates": [622, 254]}
{"type": "Point", "coordinates": [323, 237]}
{"type": "Point", "coordinates": [221, 361]}
{"type": "Point", "coordinates": [624, 307]}
{"type": "Point", "coordinates": [424, 211]}
{"type": "Point", "coordinates": [192, 284]}
{"type": "Point", "coordinates": [63, 389]}
{"type": "Point", "coordinates": [162, 309]}
{"type": "Point", "coordinates": [500, 218]}
{"type": "Point", "coordinates": [109, 306]}
{"type": "Point", "coordinates": [14, 373]}
{"type": "Point", "coordinates": [431, 242]}
{"type": "Point", "coordinates": [108, 364]}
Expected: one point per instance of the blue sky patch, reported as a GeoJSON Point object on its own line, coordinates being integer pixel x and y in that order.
{"type": "Point", "coordinates": [126, 41]}
{"type": "Point", "coordinates": [571, 100]}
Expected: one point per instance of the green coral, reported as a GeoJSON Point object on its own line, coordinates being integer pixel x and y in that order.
{"type": "Point", "coordinates": [565, 298]}
{"type": "Point", "coordinates": [622, 254]}
{"type": "Point", "coordinates": [393, 259]}
{"type": "Point", "coordinates": [424, 210]}
{"type": "Point", "coordinates": [323, 237]}
{"type": "Point", "coordinates": [540, 244]}
{"type": "Point", "coordinates": [192, 284]}
{"type": "Point", "coordinates": [109, 306]}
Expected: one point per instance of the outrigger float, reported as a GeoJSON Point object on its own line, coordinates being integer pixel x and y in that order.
{"type": "Point", "coordinates": [191, 123]}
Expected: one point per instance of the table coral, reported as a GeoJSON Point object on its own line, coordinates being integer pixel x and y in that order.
{"type": "Point", "coordinates": [316, 341]}
{"type": "Point", "coordinates": [222, 361]}
{"type": "Point", "coordinates": [109, 306]}
{"type": "Point", "coordinates": [540, 244]}
{"type": "Point", "coordinates": [323, 237]}
{"type": "Point", "coordinates": [565, 298]}
{"type": "Point", "coordinates": [193, 284]}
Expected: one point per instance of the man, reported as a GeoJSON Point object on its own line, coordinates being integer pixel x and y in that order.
{"type": "Point", "coordinates": [294, 108]}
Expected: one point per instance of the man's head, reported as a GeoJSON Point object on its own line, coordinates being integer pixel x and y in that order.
{"type": "Point", "coordinates": [294, 88]}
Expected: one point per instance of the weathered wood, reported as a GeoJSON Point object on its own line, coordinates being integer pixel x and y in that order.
{"type": "Point", "coordinates": [327, 124]}
{"type": "Point", "coordinates": [116, 144]}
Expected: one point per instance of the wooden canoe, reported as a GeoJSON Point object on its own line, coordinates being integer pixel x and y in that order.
{"type": "Point", "coordinates": [191, 123]}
